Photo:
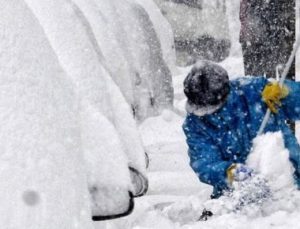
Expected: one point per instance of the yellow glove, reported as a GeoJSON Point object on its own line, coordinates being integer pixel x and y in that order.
{"type": "Point", "coordinates": [272, 94]}
{"type": "Point", "coordinates": [230, 173]}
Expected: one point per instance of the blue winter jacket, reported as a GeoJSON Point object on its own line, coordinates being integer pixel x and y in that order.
{"type": "Point", "coordinates": [224, 137]}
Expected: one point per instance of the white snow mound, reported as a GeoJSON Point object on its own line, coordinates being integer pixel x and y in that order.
{"type": "Point", "coordinates": [270, 159]}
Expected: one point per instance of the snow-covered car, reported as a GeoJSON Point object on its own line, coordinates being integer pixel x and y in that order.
{"type": "Point", "coordinates": [164, 33]}
{"type": "Point", "coordinates": [132, 54]}
{"type": "Point", "coordinates": [110, 141]}
{"type": "Point", "coordinates": [201, 29]}
{"type": "Point", "coordinates": [66, 127]}
{"type": "Point", "coordinates": [43, 179]}
{"type": "Point", "coordinates": [90, 89]}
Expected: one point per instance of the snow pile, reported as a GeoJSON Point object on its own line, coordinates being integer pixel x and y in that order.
{"type": "Point", "coordinates": [185, 211]}
{"type": "Point", "coordinates": [272, 161]}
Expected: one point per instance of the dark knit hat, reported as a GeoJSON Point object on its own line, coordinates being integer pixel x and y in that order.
{"type": "Point", "coordinates": [207, 84]}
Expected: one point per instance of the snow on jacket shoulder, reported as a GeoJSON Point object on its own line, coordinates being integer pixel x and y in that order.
{"type": "Point", "coordinates": [224, 137]}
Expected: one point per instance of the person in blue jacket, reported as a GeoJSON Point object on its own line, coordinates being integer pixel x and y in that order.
{"type": "Point", "coordinates": [223, 117]}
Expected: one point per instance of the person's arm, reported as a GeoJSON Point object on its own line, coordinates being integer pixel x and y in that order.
{"type": "Point", "coordinates": [205, 157]}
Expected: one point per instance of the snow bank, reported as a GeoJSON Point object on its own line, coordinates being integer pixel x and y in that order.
{"type": "Point", "coordinates": [43, 183]}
